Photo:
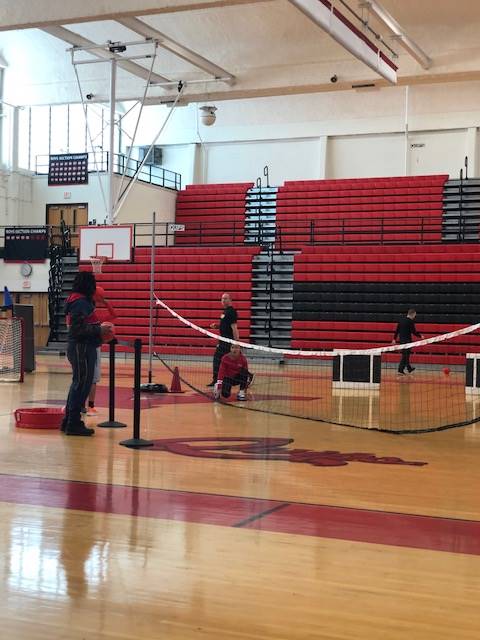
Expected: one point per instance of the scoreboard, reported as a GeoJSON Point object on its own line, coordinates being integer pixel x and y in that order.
{"type": "Point", "coordinates": [68, 168]}
{"type": "Point", "coordinates": [25, 243]}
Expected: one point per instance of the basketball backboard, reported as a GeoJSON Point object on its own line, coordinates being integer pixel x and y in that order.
{"type": "Point", "coordinates": [114, 242]}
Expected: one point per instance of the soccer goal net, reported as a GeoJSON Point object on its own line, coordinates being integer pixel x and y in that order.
{"type": "Point", "coordinates": [11, 350]}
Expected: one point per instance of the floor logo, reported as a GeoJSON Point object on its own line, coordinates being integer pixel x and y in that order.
{"type": "Point", "coordinates": [268, 449]}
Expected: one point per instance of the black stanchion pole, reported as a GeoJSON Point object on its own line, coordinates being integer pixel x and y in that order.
{"type": "Point", "coordinates": [111, 423]}
{"type": "Point", "coordinates": [137, 442]}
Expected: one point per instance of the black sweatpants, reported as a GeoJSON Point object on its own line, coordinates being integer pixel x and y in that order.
{"type": "Point", "coordinates": [82, 357]}
{"type": "Point", "coordinates": [220, 351]}
{"type": "Point", "coordinates": [242, 379]}
{"type": "Point", "coordinates": [405, 361]}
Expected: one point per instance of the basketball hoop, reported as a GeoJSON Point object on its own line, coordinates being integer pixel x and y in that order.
{"type": "Point", "coordinates": [97, 263]}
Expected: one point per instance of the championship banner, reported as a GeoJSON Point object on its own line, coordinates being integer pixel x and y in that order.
{"type": "Point", "coordinates": [68, 168]}
{"type": "Point", "coordinates": [25, 243]}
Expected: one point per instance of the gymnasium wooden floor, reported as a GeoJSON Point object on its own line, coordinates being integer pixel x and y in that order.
{"type": "Point", "coordinates": [288, 530]}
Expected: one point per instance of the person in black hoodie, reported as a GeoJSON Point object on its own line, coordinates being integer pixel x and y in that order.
{"type": "Point", "coordinates": [84, 336]}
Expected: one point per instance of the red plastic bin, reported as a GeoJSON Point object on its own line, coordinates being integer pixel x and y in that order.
{"type": "Point", "coordinates": [39, 418]}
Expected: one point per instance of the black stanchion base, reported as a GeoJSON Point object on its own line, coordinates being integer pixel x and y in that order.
{"type": "Point", "coordinates": [136, 443]}
{"type": "Point", "coordinates": [111, 424]}
{"type": "Point", "coordinates": [153, 387]}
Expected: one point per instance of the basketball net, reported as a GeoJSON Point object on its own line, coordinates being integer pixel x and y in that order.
{"type": "Point", "coordinates": [97, 263]}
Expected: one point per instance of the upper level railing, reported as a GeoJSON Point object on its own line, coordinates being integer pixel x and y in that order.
{"type": "Point", "coordinates": [289, 235]}
{"type": "Point", "coordinates": [98, 161]}
{"type": "Point", "coordinates": [148, 173]}
{"type": "Point", "coordinates": [294, 235]}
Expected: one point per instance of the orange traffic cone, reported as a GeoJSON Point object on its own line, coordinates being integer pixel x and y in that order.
{"type": "Point", "coordinates": [176, 387]}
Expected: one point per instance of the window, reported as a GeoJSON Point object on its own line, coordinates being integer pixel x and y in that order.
{"type": "Point", "coordinates": [60, 129]}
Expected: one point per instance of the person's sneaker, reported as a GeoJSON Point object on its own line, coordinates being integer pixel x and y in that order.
{"type": "Point", "coordinates": [211, 384]}
{"type": "Point", "coordinates": [79, 430]}
{"type": "Point", "coordinates": [216, 390]}
{"type": "Point", "coordinates": [411, 370]}
{"type": "Point", "coordinates": [241, 395]}
{"type": "Point", "coordinates": [92, 412]}
{"type": "Point", "coordinates": [83, 410]}
{"type": "Point", "coordinates": [401, 373]}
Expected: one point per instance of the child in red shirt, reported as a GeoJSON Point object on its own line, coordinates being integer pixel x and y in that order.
{"type": "Point", "coordinates": [233, 371]}
{"type": "Point", "coordinates": [106, 314]}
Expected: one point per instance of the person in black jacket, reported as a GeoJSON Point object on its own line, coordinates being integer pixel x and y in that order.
{"type": "Point", "coordinates": [403, 333]}
{"type": "Point", "coordinates": [84, 336]}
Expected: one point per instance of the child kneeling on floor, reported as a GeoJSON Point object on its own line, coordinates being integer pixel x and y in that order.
{"type": "Point", "coordinates": [233, 371]}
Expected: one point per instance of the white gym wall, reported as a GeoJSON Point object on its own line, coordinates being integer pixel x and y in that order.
{"type": "Point", "coordinates": [138, 207]}
{"type": "Point", "coordinates": [11, 277]}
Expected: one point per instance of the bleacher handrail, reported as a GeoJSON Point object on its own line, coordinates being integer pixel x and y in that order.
{"type": "Point", "coordinates": [294, 234]}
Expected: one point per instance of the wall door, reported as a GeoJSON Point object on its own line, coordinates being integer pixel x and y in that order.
{"type": "Point", "coordinates": [73, 215]}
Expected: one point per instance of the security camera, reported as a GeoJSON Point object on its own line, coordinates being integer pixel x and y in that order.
{"type": "Point", "coordinates": [334, 78]}
{"type": "Point", "coordinates": [207, 114]}
{"type": "Point", "coordinates": [89, 96]}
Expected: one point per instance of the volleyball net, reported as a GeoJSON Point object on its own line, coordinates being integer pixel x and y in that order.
{"type": "Point", "coordinates": [355, 388]}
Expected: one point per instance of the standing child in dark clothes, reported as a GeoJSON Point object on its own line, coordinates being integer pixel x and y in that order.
{"type": "Point", "coordinates": [84, 336]}
{"type": "Point", "coordinates": [106, 314]}
{"type": "Point", "coordinates": [405, 330]}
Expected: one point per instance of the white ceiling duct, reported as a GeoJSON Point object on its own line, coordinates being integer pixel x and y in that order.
{"type": "Point", "coordinates": [407, 43]}
{"type": "Point", "coordinates": [324, 14]}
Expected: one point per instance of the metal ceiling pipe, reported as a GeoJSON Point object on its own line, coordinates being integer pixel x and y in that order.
{"type": "Point", "coordinates": [403, 38]}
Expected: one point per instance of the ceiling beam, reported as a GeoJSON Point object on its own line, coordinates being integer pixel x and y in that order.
{"type": "Point", "coordinates": [127, 65]}
{"type": "Point", "coordinates": [25, 14]}
{"type": "Point", "coordinates": [325, 15]}
{"type": "Point", "coordinates": [145, 30]}
{"type": "Point", "coordinates": [292, 90]}
{"type": "Point", "coordinates": [400, 35]}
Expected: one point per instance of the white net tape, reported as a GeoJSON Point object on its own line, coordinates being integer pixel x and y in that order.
{"type": "Point", "coordinates": [314, 354]}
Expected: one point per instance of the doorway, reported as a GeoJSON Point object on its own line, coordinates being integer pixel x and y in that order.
{"type": "Point", "coordinates": [72, 215]}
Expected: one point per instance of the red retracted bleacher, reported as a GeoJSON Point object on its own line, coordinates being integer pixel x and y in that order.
{"type": "Point", "coordinates": [191, 281]}
{"type": "Point", "coordinates": [213, 214]}
{"type": "Point", "coordinates": [364, 210]}
{"type": "Point", "coordinates": [334, 285]}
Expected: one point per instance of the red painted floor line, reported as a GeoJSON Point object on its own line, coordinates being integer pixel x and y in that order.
{"type": "Point", "coordinates": [201, 508]}
{"type": "Point", "coordinates": [360, 525]}
{"type": "Point", "coordinates": [397, 529]}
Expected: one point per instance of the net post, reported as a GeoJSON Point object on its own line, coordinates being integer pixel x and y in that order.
{"type": "Point", "coordinates": [137, 442]}
{"type": "Point", "coordinates": [111, 423]}
{"type": "Point", "coordinates": [22, 351]}
{"type": "Point", "coordinates": [152, 286]}
{"type": "Point", "coordinates": [150, 386]}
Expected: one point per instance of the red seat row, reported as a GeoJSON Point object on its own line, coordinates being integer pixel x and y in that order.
{"type": "Point", "coordinates": [191, 281]}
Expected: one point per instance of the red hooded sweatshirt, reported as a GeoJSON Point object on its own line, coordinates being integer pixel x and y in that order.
{"type": "Point", "coordinates": [230, 367]}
